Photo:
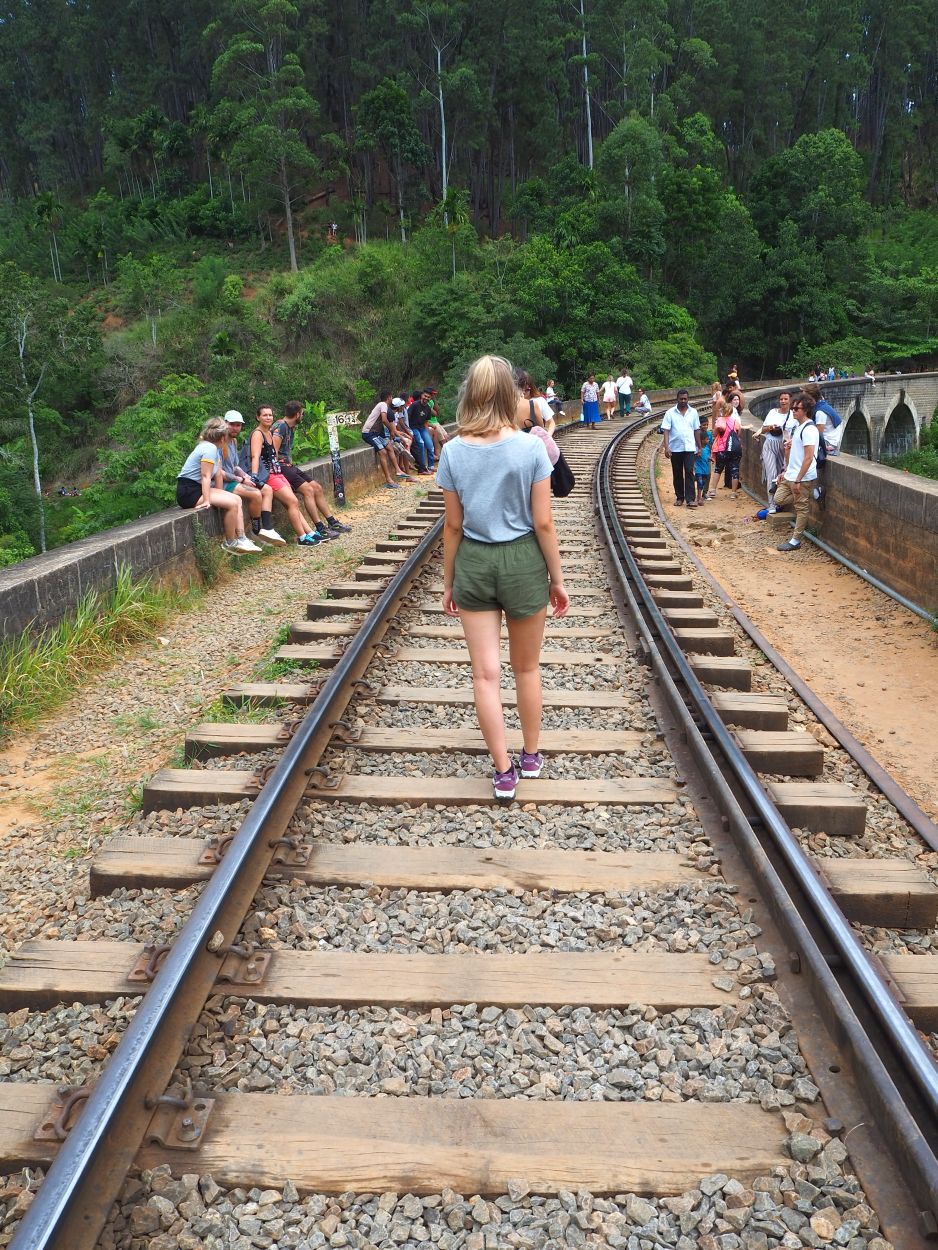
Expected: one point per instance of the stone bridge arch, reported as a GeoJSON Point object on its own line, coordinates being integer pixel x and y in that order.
{"type": "Point", "coordinates": [857, 437]}
{"type": "Point", "coordinates": [900, 428]}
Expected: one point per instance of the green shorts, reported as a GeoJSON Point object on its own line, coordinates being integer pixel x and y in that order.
{"type": "Point", "coordinates": [230, 485]}
{"type": "Point", "coordinates": [510, 577]}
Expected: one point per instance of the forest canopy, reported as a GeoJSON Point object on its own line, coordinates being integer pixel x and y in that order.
{"type": "Point", "coordinates": [582, 184]}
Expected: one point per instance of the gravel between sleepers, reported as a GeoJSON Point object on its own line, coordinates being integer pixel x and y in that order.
{"type": "Point", "coordinates": [661, 827]}
{"type": "Point", "coordinates": [814, 1202]}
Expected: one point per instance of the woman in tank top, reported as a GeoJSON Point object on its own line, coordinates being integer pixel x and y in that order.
{"type": "Point", "coordinates": [500, 555]}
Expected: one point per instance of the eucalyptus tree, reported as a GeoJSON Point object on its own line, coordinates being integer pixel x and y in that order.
{"type": "Point", "coordinates": [385, 118]}
{"type": "Point", "coordinates": [258, 67]}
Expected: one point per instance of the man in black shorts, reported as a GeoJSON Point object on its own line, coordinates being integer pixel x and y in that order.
{"type": "Point", "coordinates": [310, 493]}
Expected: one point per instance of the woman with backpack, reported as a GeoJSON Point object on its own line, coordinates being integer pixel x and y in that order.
{"type": "Point", "coordinates": [533, 409]}
{"type": "Point", "coordinates": [733, 444]}
{"type": "Point", "coordinates": [500, 555]}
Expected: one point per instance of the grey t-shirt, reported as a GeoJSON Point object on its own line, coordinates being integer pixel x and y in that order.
{"type": "Point", "coordinates": [493, 482]}
{"type": "Point", "coordinates": [286, 439]}
{"type": "Point", "coordinates": [192, 469]}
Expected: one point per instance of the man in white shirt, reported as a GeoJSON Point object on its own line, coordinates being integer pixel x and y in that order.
{"type": "Point", "coordinates": [793, 485]}
{"type": "Point", "coordinates": [624, 387]}
{"type": "Point", "coordinates": [681, 442]}
{"type": "Point", "coordinates": [643, 403]}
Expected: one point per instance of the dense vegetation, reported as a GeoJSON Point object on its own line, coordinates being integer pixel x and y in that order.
{"type": "Point", "coordinates": [923, 459]}
{"type": "Point", "coordinates": [579, 183]}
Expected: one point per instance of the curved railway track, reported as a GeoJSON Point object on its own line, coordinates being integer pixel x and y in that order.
{"type": "Point", "coordinates": [649, 885]}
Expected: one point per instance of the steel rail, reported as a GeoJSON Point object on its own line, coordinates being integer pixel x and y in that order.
{"type": "Point", "coordinates": [671, 666]}
{"type": "Point", "coordinates": [73, 1202]}
{"type": "Point", "coordinates": [904, 804]}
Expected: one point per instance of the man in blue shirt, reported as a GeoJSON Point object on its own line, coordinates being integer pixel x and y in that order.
{"type": "Point", "coordinates": [681, 443]}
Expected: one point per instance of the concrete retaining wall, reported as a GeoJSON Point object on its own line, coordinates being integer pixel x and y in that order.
{"type": "Point", "coordinates": [884, 520]}
{"type": "Point", "coordinates": [40, 591]}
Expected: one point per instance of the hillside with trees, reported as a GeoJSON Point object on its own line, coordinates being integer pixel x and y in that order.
{"type": "Point", "coordinates": [581, 184]}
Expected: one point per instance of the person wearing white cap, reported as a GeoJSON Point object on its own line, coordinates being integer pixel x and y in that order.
{"type": "Point", "coordinates": [404, 436]}
{"type": "Point", "coordinates": [260, 501]}
{"type": "Point", "coordinates": [199, 485]}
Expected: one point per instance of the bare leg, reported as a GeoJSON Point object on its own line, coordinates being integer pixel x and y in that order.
{"type": "Point", "coordinates": [252, 495]}
{"type": "Point", "coordinates": [525, 635]}
{"type": "Point", "coordinates": [230, 508]}
{"type": "Point", "coordinates": [483, 638]}
{"type": "Point", "coordinates": [383, 461]}
{"type": "Point", "coordinates": [308, 495]}
{"type": "Point", "coordinates": [286, 496]}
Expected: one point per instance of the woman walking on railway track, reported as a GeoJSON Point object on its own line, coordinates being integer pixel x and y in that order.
{"type": "Point", "coordinates": [589, 397]}
{"type": "Point", "coordinates": [199, 485]}
{"type": "Point", "coordinates": [533, 408]}
{"type": "Point", "coordinates": [500, 555]}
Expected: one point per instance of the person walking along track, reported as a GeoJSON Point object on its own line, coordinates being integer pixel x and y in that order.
{"type": "Point", "coordinates": [500, 554]}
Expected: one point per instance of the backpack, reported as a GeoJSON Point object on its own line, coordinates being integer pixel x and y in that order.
{"type": "Point", "coordinates": [562, 480]}
{"type": "Point", "coordinates": [734, 445]}
{"type": "Point", "coordinates": [820, 454]}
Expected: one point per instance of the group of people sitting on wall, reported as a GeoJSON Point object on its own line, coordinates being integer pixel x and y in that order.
{"type": "Point", "coordinates": [222, 473]}
{"type": "Point", "coordinates": [406, 435]}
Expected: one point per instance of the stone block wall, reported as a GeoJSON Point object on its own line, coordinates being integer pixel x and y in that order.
{"type": "Point", "coordinates": [40, 591]}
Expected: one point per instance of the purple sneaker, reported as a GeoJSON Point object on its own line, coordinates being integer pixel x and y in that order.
{"type": "Point", "coordinates": [531, 763]}
{"type": "Point", "coordinates": [506, 783]}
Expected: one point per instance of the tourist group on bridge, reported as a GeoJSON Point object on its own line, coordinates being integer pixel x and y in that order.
{"type": "Point", "coordinates": [797, 437]}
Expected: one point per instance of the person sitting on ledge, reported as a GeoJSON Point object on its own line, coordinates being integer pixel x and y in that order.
{"type": "Point", "coordinates": [236, 480]}
{"type": "Point", "coordinates": [195, 489]}
{"type": "Point", "coordinates": [310, 492]}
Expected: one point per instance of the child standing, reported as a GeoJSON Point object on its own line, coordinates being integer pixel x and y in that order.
{"type": "Point", "coordinates": [702, 462]}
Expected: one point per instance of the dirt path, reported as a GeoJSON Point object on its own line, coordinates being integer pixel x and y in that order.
{"type": "Point", "coordinates": [873, 662]}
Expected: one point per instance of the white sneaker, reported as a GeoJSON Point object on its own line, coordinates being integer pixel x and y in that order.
{"type": "Point", "coordinates": [271, 536]}
{"type": "Point", "coordinates": [245, 545]}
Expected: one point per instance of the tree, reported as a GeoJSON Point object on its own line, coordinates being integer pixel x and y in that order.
{"type": "Point", "coordinates": [263, 73]}
{"type": "Point", "coordinates": [49, 212]}
{"type": "Point", "coordinates": [41, 338]}
{"type": "Point", "coordinates": [443, 21]}
{"type": "Point", "coordinates": [148, 286]}
{"type": "Point", "coordinates": [630, 164]}
{"type": "Point", "coordinates": [386, 122]}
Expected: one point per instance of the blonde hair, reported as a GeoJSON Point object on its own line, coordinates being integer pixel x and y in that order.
{"type": "Point", "coordinates": [214, 431]}
{"type": "Point", "coordinates": [488, 397]}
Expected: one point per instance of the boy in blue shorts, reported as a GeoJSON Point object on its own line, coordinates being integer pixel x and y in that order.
{"type": "Point", "coordinates": [702, 462]}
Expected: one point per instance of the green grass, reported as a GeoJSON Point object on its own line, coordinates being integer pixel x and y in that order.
{"type": "Point", "coordinates": [38, 671]}
{"type": "Point", "coordinates": [248, 713]}
{"type": "Point", "coordinates": [78, 795]}
{"type": "Point", "coordinates": [143, 720]}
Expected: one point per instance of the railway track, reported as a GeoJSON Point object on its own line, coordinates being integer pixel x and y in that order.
{"type": "Point", "coordinates": [604, 989]}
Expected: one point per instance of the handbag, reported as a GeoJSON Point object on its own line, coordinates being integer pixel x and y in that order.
{"type": "Point", "coordinates": [562, 480]}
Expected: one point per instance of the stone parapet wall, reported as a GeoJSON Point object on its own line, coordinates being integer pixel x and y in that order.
{"type": "Point", "coordinates": [40, 591]}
